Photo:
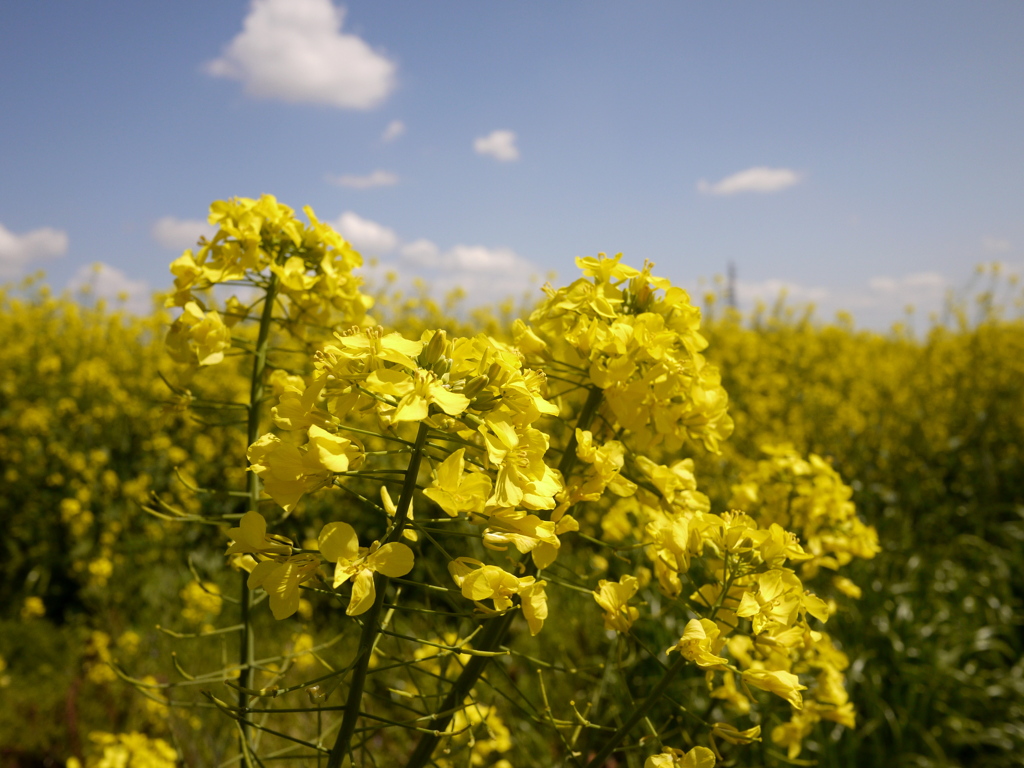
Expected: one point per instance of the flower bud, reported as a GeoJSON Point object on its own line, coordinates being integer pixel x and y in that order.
{"type": "Point", "coordinates": [434, 350]}
{"type": "Point", "coordinates": [474, 386]}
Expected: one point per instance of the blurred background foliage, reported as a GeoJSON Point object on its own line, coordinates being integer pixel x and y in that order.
{"type": "Point", "coordinates": [928, 429]}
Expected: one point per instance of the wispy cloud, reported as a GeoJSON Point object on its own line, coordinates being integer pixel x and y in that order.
{"type": "Point", "coordinates": [111, 284]}
{"type": "Point", "coordinates": [177, 234]}
{"type": "Point", "coordinates": [485, 273]}
{"type": "Point", "coordinates": [395, 129]}
{"type": "Point", "coordinates": [295, 51]}
{"type": "Point", "coordinates": [879, 303]}
{"type": "Point", "coordinates": [769, 290]}
{"type": "Point", "coordinates": [501, 145]}
{"type": "Point", "coordinates": [19, 253]}
{"type": "Point", "coordinates": [758, 179]}
{"type": "Point", "coordinates": [368, 237]}
{"type": "Point", "coordinates": [422, 252]}
{"type": "Point", "coordinates": [468, 258]}
{"type": "Point", "coordinates": [928, 285]}
{"type": "Point", "coordinates": [371, 180]}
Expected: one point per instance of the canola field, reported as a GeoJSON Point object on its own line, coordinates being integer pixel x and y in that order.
{"type": "Point", "coordinates": [290, 519]}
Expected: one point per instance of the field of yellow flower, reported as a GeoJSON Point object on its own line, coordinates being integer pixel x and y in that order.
{"type": "Point", "coordinates": [289, 518]}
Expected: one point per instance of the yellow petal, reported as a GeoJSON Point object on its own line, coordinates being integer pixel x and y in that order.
{"type": "Point", "coordinates": [394, 559]}
{"type": "Point", "coordinates": [698, 757]}
{"type": "Point", "coordinates": [332, 452]}
{"type": "Point", "coordinates": [338, 542]}
{"type": "Point", "coordinates": [535, 605]}
{"type": "Point", "coordinates": [363, 593]}
{"type": "Point", "coordinates": [260, 573]}
{"type": "Point", "coordinates": [250, 534]}
{"type": "Point", "coordinates": [412, 407]}
{"type": "Point", "coordinates": [451, 403]}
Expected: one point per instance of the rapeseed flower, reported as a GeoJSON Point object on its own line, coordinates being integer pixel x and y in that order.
{"type": "Point", "coordinates": [340, 544]}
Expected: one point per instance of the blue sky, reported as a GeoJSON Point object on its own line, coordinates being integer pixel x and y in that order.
{"type": "Point", "coordinates": [864, 156]}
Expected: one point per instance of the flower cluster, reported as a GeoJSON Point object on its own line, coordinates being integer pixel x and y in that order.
{"type": "Point", "coordinates": [280, 571]}
{"type": "Point", "coordinates": [258, 241]}
{"type": "Point", "coordinates": [637, 336]}
{"type": "Point", "coordinates": [471, 390]}
{"type": "Point", "coordinates": [632, 342]}
{"type": "Point", "coordinates": [809, 497]}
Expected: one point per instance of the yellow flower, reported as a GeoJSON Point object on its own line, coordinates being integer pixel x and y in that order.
{"type": "Point", "coordinates": [734, 735]}
{"type": "Point", "coordinates": [781, 683]}
{"type": "Point", "coordinates": [698, 757]}
{"type": "Point", "coordinates": [525, 532]}
{"type": "Point", "coordinates": [296, 404]}
{"type": "Point", "coordinates": [730, 693]}
{"type": "Point", "coordinates": [136, 749]}
{"type": "Point", "coordinates": [281, 580]}
{"type": "Point", "coordinates": [777, 600]}
{"type": "Point", "coordinates": [416, 391]}
{"type": "Point", "coordinates": [456, 491]}
{"type": "Point", "coordinates": [340, 544]}
{"type": "Point", "coordinates": [698, 643]}
{"type": "Point", "coordinates": [289, 472]}
{"type": "Point", "coordinates": [250, 537]}
{"type": "Point", "coordinates": [606, 463]}
{"type": "Point", "coordinates": [198, 336]}
{"type": "Point", "coordinates": [373, 348]}
{"type": "Point", "coordinates": [534, 602]}
{"type": "Point", "coordinates": [523, 477]}
{"type": "Point", "coordinates": [847, 587]}
{"type": "Point", "coordinates": [612, 597]}
{"type": "Point", "coordinates": [32, 608]}
{"type": "Point", "coordinates": [489, 582]}
{"type": "Point", "coordinates": [792, 734]}
{"type": "Point", "coordinates": [201, 601]}
{"type": "Point", "coordinates": [333, 452]}
{"type": "Point", "coordinates": [293, 274]}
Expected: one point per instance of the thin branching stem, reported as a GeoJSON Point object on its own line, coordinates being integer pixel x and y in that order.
{"type": "Point", "coordinates": [371, 623]}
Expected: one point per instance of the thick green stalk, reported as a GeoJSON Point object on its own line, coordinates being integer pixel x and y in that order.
{"type": "Point", "coordinates": [371, 619]}
{"type": "Point", "coordinates": [246, 651]}
{"type": "Point", "coordinates": [495, 629]}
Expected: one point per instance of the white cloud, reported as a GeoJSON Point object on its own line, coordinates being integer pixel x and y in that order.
{"type": "Point", "coordinates": [927, 285]}
{"type": "Point", "coordinates": [368, 237]}
{"type": "Point", "coordinates": [769, 290]}
{"type": "Point", "coordinates": [464, 258]}
{"type": "Point", "coordinates": [395, 129]}
{"type": "Point", "coordinates": [995, 244]}
{"type": "Point", "coordinates": [21, 252]}
{"type": "Point", "coordinates": [375, 179]}
{"type": "Point", "coordinates": [501, 145]}
{"type": "Point", "coordinates": [294, 50]}
{"type": "Point", "coordinates": [486, 274]}
{"type": "Point", "coordinates": [879, 303]}
{"type": "Point", "coordinates": [177, 234]}
{"type": "Point", "coordinates": [477, 258]}
{"type": "Point", "coordinates": [111, 284]}
{"type": "Point", "coordinates": [422, 252]}
{"type": "Point", "coordinates": [758, 179]}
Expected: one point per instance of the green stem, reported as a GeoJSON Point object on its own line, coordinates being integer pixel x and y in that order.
{"type": "Point", "coordinates": [585, 419]}
{"type": "Point", "coordinates": [495, 629]}
{"type": "Point", "coordinates": [638, 714]}
{"type": "Point", "coordinates": [666, 679]}
{"type": "Point", "coordinates": [246, 650]}
{"type": "Point", "coordinates": [371, 620]}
